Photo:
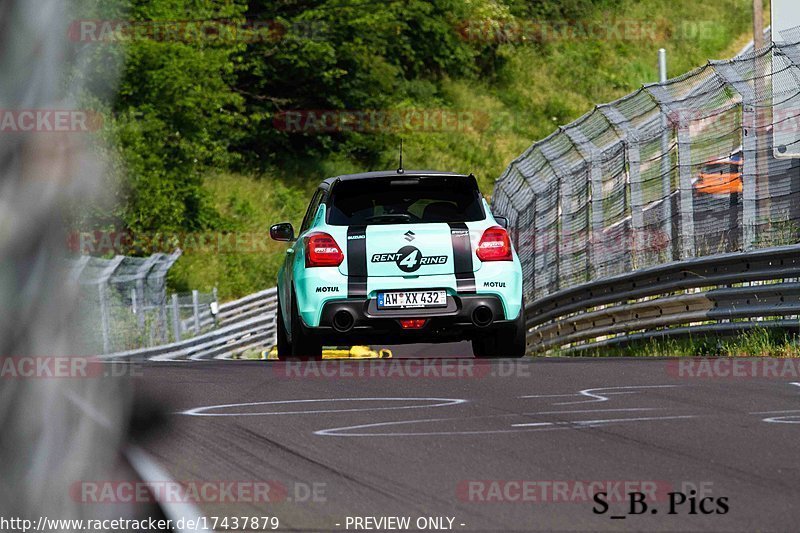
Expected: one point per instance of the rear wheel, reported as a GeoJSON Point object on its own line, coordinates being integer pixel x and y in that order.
{"type": "Point", "coordinates": [502, 343]}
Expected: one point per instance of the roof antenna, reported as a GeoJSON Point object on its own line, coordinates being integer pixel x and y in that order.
{"type": "Point", "coordinates": [400, 170]}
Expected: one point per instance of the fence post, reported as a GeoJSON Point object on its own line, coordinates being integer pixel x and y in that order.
{"type": "Point", "coordinates": [633, 156]}
{"type": "Point", "coordinates": [196, 310]}
{"type": "Point", "coordinates": [734, 79]}
{"type": "Point", "coordinates": [687, 191]}
{"type": "Point", "coordinates": [637, 198]}
{"type": "Point", "coordinates": [594, 159]}
{"type": "Point", "coordinates": [665, 101]}
{"type": "Point", "coordinates": [215, 307]}
{"type": "Point", "coordinates": [176, 318]}
{"type": "Point", "coordinates": [565, 239]}
{"type": "Point", "coordinates": [665, 105]}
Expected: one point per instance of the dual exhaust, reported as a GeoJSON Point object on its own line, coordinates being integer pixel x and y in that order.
{"type": "Point", "coordinates": [344, 321]}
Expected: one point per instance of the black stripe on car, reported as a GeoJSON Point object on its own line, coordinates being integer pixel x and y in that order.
{"type": "Point", "coordinates": [462, 257]}
{"type": "Point", "coordinates": [357, 262]}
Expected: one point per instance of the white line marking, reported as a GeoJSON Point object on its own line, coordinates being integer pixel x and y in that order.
{"type": "Point", "coordinates": [603, 422]}
{"type": "Point", "coordinates": [443, 402]}
{"type": "Point", "coordinates": [517, 428]}
{"type": "Point", "coordinates": [599, 395]}
{"type": "Point", "coordinates": [631, 409]}
{"type": "Point", "coordinates": [338, 432]}
{"type": "Point", "coordinates": [789, 419]}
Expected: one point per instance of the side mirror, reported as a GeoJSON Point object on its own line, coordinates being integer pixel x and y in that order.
{"type": "Point", "coordinates": [503, 221]}
{"type": "Point", "coordinates": [282, 232]}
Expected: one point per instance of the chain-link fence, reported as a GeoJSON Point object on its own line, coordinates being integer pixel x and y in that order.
{"type": "Point", "coordinates": [701, 164]}
{"type": "Point", "coordinates": [125, 304]}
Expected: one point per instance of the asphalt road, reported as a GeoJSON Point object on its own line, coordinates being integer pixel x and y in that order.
{"type": "Point", "coordinates": [453, 437]}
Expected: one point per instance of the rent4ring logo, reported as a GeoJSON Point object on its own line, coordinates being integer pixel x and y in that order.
{"type": "Point", "coordinates": [409, 259]}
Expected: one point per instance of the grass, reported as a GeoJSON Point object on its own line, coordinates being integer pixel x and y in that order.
{"type": "Point", "coordinates": [535, 90]}
{"type": "Point", "coordinates": [759, 342]}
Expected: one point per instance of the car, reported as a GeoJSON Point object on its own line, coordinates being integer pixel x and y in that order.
{"type": "Point", "coordinates": [397, 257]}
{"type": "Point", "coordinates": [722, 176]}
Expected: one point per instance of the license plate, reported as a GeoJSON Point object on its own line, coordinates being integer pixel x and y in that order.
{"type": "Point", "coordinates": [412, 299]}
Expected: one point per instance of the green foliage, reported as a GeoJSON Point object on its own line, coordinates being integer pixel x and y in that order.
{"type": "Point", "coordinates": [194, 121]}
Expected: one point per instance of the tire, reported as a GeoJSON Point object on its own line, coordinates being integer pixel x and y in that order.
{"type": "Point", "coordinates": [305, 347]}
{"type": "Point", "coordinates": [284, 346]}
{"type": "Point", "coordinates": [503, 343]}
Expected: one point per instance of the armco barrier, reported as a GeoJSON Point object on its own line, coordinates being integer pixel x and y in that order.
{"type": "Point", "coordinates": [248, 323]}
{"type": "Point", "coordinates": [726, 293]}
{"type": "Point", "coordinates": [715, 295]}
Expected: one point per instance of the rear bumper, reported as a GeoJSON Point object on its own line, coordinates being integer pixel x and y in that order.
{"type": "Point", "coordinates": [370, 325]}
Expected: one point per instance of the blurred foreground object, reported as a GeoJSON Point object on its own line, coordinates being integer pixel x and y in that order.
{"type": "Point", "coordinates": [54, 431]}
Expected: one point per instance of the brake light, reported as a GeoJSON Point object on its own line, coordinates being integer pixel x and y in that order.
{"type": "Point", "coordinates": [322, 251]}
{"type": "Point", "coordinates": [494, 245]}
{"type": "Point", "coordinates": [413, 323]}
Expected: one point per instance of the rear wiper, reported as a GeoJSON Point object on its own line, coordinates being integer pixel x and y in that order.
{"type": "Point", "coordinates": [403, 217]}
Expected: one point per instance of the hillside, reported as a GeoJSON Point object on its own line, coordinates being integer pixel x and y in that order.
{"type": "Point", "coordinates": [531, 73]}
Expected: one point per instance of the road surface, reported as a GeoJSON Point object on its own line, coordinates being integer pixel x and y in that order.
{"type": "Point", "coordinates": [456, 438]}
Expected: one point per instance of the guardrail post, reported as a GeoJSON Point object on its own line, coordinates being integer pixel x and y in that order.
{"type": "Point", "coordinates": [196, 310]}
{"type": "Point", "coordinates": [176, 318]}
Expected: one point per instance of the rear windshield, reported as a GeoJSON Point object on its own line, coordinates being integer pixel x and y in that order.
{"type": "Point", "coordinates": [404, 200]}
{"type": "Point", "coordinates": [722, 168]}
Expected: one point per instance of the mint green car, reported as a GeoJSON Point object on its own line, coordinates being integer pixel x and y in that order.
{"type": "Point", "coordinates": [398, 257]}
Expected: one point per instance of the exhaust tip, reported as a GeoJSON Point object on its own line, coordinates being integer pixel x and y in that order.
{"type": "Point", "coordinates": [482, 316]}
{"type": "Point", "coordinates": [343, 321]}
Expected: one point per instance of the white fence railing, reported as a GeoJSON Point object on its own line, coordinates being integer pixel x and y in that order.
{"type": "Point", "coordinates": [245, 324]}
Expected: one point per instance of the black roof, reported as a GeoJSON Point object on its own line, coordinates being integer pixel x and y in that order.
{"type": "Point", "coordinates": [393, 174]}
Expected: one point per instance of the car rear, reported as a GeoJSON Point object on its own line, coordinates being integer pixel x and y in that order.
{"type": "Point", "coordinates": [417, 257]}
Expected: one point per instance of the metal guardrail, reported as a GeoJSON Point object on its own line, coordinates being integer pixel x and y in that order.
{"type": "Point", "coordinates": [726, 293]}
{"type": "Point", "coordinates": [247, 323]}
{"type": "Point", "coordinates": [699, 296]}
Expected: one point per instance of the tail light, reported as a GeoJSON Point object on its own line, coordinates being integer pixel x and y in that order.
{"type": "Point", "coordinates": [413, 323]}
{"type": "Point", "coordinates": [322, 251]}
{"type": "Point", "coordinates": [494, 245]}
